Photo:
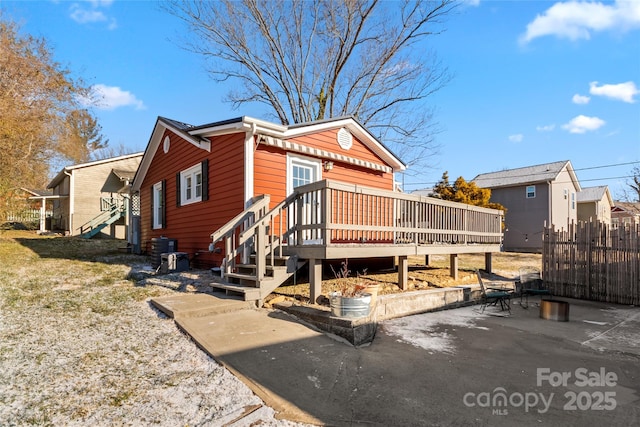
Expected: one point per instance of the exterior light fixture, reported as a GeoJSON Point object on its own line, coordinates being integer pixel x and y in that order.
{"type": "Point", "coordinates": [328, 165]}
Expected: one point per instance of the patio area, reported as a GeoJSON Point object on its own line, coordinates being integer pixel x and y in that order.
{"type": "Point", "coordinates": [452, 367]}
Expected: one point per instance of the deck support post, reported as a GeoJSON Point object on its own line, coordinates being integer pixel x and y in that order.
{"type": "Point", "coordinates": [315, 280]}
{"type": "Point", "coordinates": [403, 272]}
{"type": "Point", "coordinates": [426, 260]}
{"type": "Point", "coordinates": [487, 262]}
{"type": "Point", "coordinates": [453, 266]}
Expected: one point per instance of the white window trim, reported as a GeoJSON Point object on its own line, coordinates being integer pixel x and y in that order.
{"type": "Point", "coordinates": [302, 161]}
{"type": "Point", "coordinates": [157, 195]}
{"type": "Point", "coordinates": [192, 172]}
{"type": "Point", "coordinates": [527, 191]}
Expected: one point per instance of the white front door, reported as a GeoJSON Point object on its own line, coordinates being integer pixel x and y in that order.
{"type": "Point", "coordinates": [303, 171]}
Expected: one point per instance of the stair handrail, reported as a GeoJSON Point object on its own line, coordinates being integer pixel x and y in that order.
{"type": "Point", "coordinates": [261, 203]}
{"type": "Point", "coordinates": [247, 233]}
{"type": "Point", "coordinates": [101, 218]}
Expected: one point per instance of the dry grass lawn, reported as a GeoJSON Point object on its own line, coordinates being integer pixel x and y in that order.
{"type": "Point", "coordinates": [80, 344]}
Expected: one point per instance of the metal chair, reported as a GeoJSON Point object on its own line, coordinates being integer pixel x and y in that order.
{"type": "Point", "coordinates": [531, 284]}
{"type": "Point", "coordinates": [494, 296]}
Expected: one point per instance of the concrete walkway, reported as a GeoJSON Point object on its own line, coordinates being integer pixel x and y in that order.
{"type": "Point", "coordinates": [309, 377]}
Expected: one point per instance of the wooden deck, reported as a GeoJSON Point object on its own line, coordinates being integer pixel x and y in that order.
{"type": "Point", "coordinates": [332, 220]}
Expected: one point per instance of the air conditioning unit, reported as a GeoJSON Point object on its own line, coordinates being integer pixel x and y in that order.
{"type": "Point", "coordinates": [174, 262]}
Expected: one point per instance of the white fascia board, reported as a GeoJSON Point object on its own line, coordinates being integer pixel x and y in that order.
{"type": "Point", "coordinates": [218, 130]}
{"type": "Point", "coordinates": [247, 123]}
{"type": "Point", "coordinates": [573, 175]}
{"type": "Point", "coordinates": [264, 126]}
{"type": "Point", "coordinates": [102, 161]}
{"type": "Point", "coordinates": [149, 153]}
{"type": "Point", "coordinates": [154, 143]}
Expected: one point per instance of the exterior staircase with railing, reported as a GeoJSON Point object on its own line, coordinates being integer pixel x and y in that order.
{"type": "Point", "coordinates": [254, 264]}
{"type": "Point", "coordinates": [112, 209]}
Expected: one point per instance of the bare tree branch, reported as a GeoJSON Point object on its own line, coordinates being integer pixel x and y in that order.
{"type": "Point", "coordinates": [327, 58]}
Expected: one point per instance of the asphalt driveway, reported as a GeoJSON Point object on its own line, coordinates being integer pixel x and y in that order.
{"type": "Point", "coordinates": [454, 367]}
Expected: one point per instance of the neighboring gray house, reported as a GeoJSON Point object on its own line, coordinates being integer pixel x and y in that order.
{"type": "Point", "coordinates": [93, 198]}
{"type": "Point", "coordinates": [595, 203]}
{"type": "Point", "coordinates": [533, 195]}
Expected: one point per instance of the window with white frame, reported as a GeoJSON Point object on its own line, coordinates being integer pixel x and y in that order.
{"type": "Point", "coordinates": [573, 200]}
{"type": "Point", "coordinates": [191, 185]}
{"type": "Point", "coordinates": [302, 171]}
{"type": "Point", "coordinates": [158, 205]}
{"type": "Point", "coordinates": [531, 191]}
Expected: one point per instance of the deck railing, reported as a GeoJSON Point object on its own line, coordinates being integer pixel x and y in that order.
{"type": "Point", "coordinates": [329, 213]}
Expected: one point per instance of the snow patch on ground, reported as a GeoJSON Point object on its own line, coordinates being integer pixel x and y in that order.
{"type": "Point", "coordinates": [425, 330]}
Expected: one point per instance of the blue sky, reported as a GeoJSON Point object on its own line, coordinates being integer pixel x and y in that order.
{"type": "Point", "coordinates": [534, 81]}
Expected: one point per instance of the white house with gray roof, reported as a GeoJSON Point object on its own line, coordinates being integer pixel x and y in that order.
{"type": "Point", "coordinates": [594, 204]}
{"type": "Point", "coordinates": [533, 195]}
{"type": "Point", "coordinates": [92, 198]}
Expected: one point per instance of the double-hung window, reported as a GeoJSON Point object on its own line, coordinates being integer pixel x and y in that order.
{"type": "Point", "coordinates": [191, 185]}
{"type": "Point", "coordinates": [157, 204]}
{"type": "Point", "coordinates": [531, 191]}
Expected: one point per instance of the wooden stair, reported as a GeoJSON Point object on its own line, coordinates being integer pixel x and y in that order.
{"type": "Point", "coordinates": [245, 283]}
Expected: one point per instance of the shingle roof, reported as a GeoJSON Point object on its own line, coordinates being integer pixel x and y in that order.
{"type": "Point", "coordinates": [180, 125]}
{"type": "Point", "coordinates": [520, 176]}
{"type": "Point", "coordinates": [591, 194]}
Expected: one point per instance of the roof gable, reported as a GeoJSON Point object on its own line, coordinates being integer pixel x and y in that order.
{"type": "Point", "coordinates": [71, 168]}
{"type": "Point", "coordinates": [526, 175]}
{"type": "Point", "coordinates": [630, 207]}
{"type": "Point", "coordinates": [594, 194]}
{"type": "Point", "coordinates": [198, 134]}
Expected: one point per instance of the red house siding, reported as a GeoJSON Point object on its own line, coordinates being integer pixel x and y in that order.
{"type": "Point", "coordinates": [192, 224]}
{"type": "Point", "coordinates": [270, 166]}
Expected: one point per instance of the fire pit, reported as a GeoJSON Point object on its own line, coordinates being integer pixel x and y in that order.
{"type": "Point", "coordinates": [553, 309]}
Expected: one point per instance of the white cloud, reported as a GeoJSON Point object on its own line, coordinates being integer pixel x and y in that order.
{"type": "Point", "coordinates": [105, 97]}
{"type": "Point", "coordinates": [83, 16]}
{"type": "Point", "coordinates": [622, 91]}
{"type": "Point", "coordinates": [583, 124]}
{"type": "Point", "coordinates": [86, 15]}
{"type": "Point", "coordinates": [578, 19]}
{"type": "Point", "coordinates": [580, 99]}
{"type": "Point", "coordinates": [516, 138]}
{"type": "Point", "coordinates": [545, 128]}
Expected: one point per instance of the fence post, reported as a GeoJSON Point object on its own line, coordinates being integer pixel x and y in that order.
{"type": "Point", "coordinates": [260, 252]}
{"type": "Point", "coordinates": [327, 213]}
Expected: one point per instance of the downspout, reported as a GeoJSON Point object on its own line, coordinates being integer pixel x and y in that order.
{"type": "Point", "coordinates": [248, 180]}
{"type": "Point", "coordinates": [248, 165]}
{"type": "Point", "coordinates": [550, 204]}
{"type": "Point", "coordinates": [71, 204]}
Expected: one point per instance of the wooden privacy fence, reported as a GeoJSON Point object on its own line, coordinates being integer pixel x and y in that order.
{"type": "Point", "coordinates": [592, 261]}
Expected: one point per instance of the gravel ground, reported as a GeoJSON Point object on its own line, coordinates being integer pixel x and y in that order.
{"type": "Point", "coordinates": [82, 353]}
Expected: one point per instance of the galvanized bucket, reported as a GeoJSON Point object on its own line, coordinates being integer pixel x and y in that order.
{"type": "Point", "coordinates": [352, 307]}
